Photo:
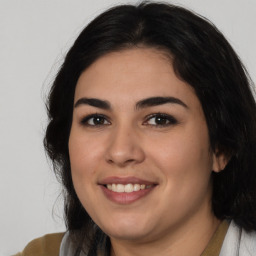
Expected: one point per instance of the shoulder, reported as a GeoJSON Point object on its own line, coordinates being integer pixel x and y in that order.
{"type": "Point", "coordinates": [47, 245]}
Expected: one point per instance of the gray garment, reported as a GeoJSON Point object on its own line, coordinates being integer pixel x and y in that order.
{"type": "Point", "coordinates": [237, 242]}
{"type": "Point", "coordinates": [67, 248]}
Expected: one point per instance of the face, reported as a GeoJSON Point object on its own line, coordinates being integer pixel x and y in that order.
{"type": "Point", "coordinates": [139, 147]}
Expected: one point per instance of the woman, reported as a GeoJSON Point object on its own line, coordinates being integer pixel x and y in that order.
{"type": "Point", "coordinates": [152, 133]}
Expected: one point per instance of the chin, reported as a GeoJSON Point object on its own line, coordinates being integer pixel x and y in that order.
{"type": "Point", "coordinates": [128, 234]}
{"type": "Point", "coordinates": [126, 229]}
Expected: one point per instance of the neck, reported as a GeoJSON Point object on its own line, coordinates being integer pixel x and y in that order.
{"type": "Point", "coordinates": [189, 239]}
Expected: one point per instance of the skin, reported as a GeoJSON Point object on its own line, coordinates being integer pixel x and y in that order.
{"type": "Point", "coordinates": [128, 142]}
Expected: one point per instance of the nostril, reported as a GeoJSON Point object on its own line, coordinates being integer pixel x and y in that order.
{"type": "Point", "coordinates": [129, 160]}
{"type": "Point", "coordinates": [110, 161]}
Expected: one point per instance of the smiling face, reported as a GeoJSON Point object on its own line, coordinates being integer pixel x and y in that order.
{"type": "Point", "coordinates": [139, 127]}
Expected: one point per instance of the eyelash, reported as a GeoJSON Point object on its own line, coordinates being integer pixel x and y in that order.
{"type": "Point", "coordinates": [85, 120]}
{"type": "Point", "coordinates": [168, 120]}
{"type": "Point", "coordinates": [163, 117]}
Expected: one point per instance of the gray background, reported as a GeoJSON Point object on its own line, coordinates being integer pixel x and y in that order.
{"type": "Point", "coordinates": [34, 37]}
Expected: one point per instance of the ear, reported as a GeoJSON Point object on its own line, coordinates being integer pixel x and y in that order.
{"type": "Point", "coordinates": [220, 160]}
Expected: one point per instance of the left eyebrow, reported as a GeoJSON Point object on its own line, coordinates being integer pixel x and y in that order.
{"type": "Point", "coordinates": [156, 101]}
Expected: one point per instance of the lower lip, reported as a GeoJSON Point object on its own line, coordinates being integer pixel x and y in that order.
{"type": "Point", "coordinates": [126, 198]}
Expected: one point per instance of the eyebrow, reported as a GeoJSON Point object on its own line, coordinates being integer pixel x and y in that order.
{"type": "Point", "coordinates": [103, 104]}
{"type": "Point", "coordinates": [148, 102]}
{"type": "Point", "coordinates": [156, 101]}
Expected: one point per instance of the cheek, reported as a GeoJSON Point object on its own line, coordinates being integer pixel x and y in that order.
{"type": "Point", "coordinates": [83, 160]}
{"type": "Point", "coordinates": [185, 164]}
{"type": "Point", "coordinates": [84, 155]}
{"type": "Point", "coordinates": [184, 158]}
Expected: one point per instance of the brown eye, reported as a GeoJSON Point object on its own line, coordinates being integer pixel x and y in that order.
{"type": "Point", "coordinates": [160, 120]}
{"type": "Point", "coordinates": [95, 120]}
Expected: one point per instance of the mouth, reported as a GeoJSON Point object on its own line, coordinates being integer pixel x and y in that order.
{"type": "Point", "coordinates": [126, 190]}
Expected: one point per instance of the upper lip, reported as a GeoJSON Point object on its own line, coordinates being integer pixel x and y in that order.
{"type": "Point", "coordinates": [125, 180]}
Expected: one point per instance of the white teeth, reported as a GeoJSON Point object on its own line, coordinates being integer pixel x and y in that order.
{"type": "Point", "coordinates": [120, 188]}
{"type": "Point", "coordinates": [128, 188]}
{"type": "Point", "coordinates": [113, 187]}
{"type": "Point", "coordinates": [136, 187]}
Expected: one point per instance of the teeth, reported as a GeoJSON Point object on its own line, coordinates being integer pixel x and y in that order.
{"type": "Point", "coordinates": [128, 188]}
{"type": "Point", "coordinates": [136, 187]}
{"type": "Point", "coordinates": [113, 187]}
{"type": "Point", "coordinates": [142, 186]}
{"type": "Point", "coordinates": [120, 188]}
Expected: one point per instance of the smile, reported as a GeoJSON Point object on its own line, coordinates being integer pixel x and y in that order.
{"type": "Point", "coordinates": [128, 188]}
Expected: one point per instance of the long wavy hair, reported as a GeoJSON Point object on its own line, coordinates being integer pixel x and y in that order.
{"type": "Point", "coordinates": [203, 58]}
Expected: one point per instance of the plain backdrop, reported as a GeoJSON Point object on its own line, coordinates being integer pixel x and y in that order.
{"type": "Point", "coordinates": [34, 37]}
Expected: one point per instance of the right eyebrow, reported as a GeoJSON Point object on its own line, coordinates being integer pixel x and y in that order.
{"type": "Point", "coordinates": [93, 102]}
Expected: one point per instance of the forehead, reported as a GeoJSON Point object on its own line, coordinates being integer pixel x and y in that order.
{"type": "Point", "coordinates": [132, 74]}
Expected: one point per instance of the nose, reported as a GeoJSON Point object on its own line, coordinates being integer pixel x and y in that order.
{"type": "Point", "coordinates": [125, 147]}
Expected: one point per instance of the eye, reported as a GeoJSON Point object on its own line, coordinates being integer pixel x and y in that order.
{"type": "Point", "coordinates": [95, 120]}
{"type": "Point", "coordinates": [160, 120]}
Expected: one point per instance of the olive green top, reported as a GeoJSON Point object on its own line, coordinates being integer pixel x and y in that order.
{"type": "Point", "coordinates": [49, 245]}
{"type": "Point", "coordinates": [214, 246]}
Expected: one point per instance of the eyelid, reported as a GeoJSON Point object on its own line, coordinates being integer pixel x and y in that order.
{"type": "Point", "coordinates": [84, 120]}
{"type": "Point", "coordinates": [172, 120]}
